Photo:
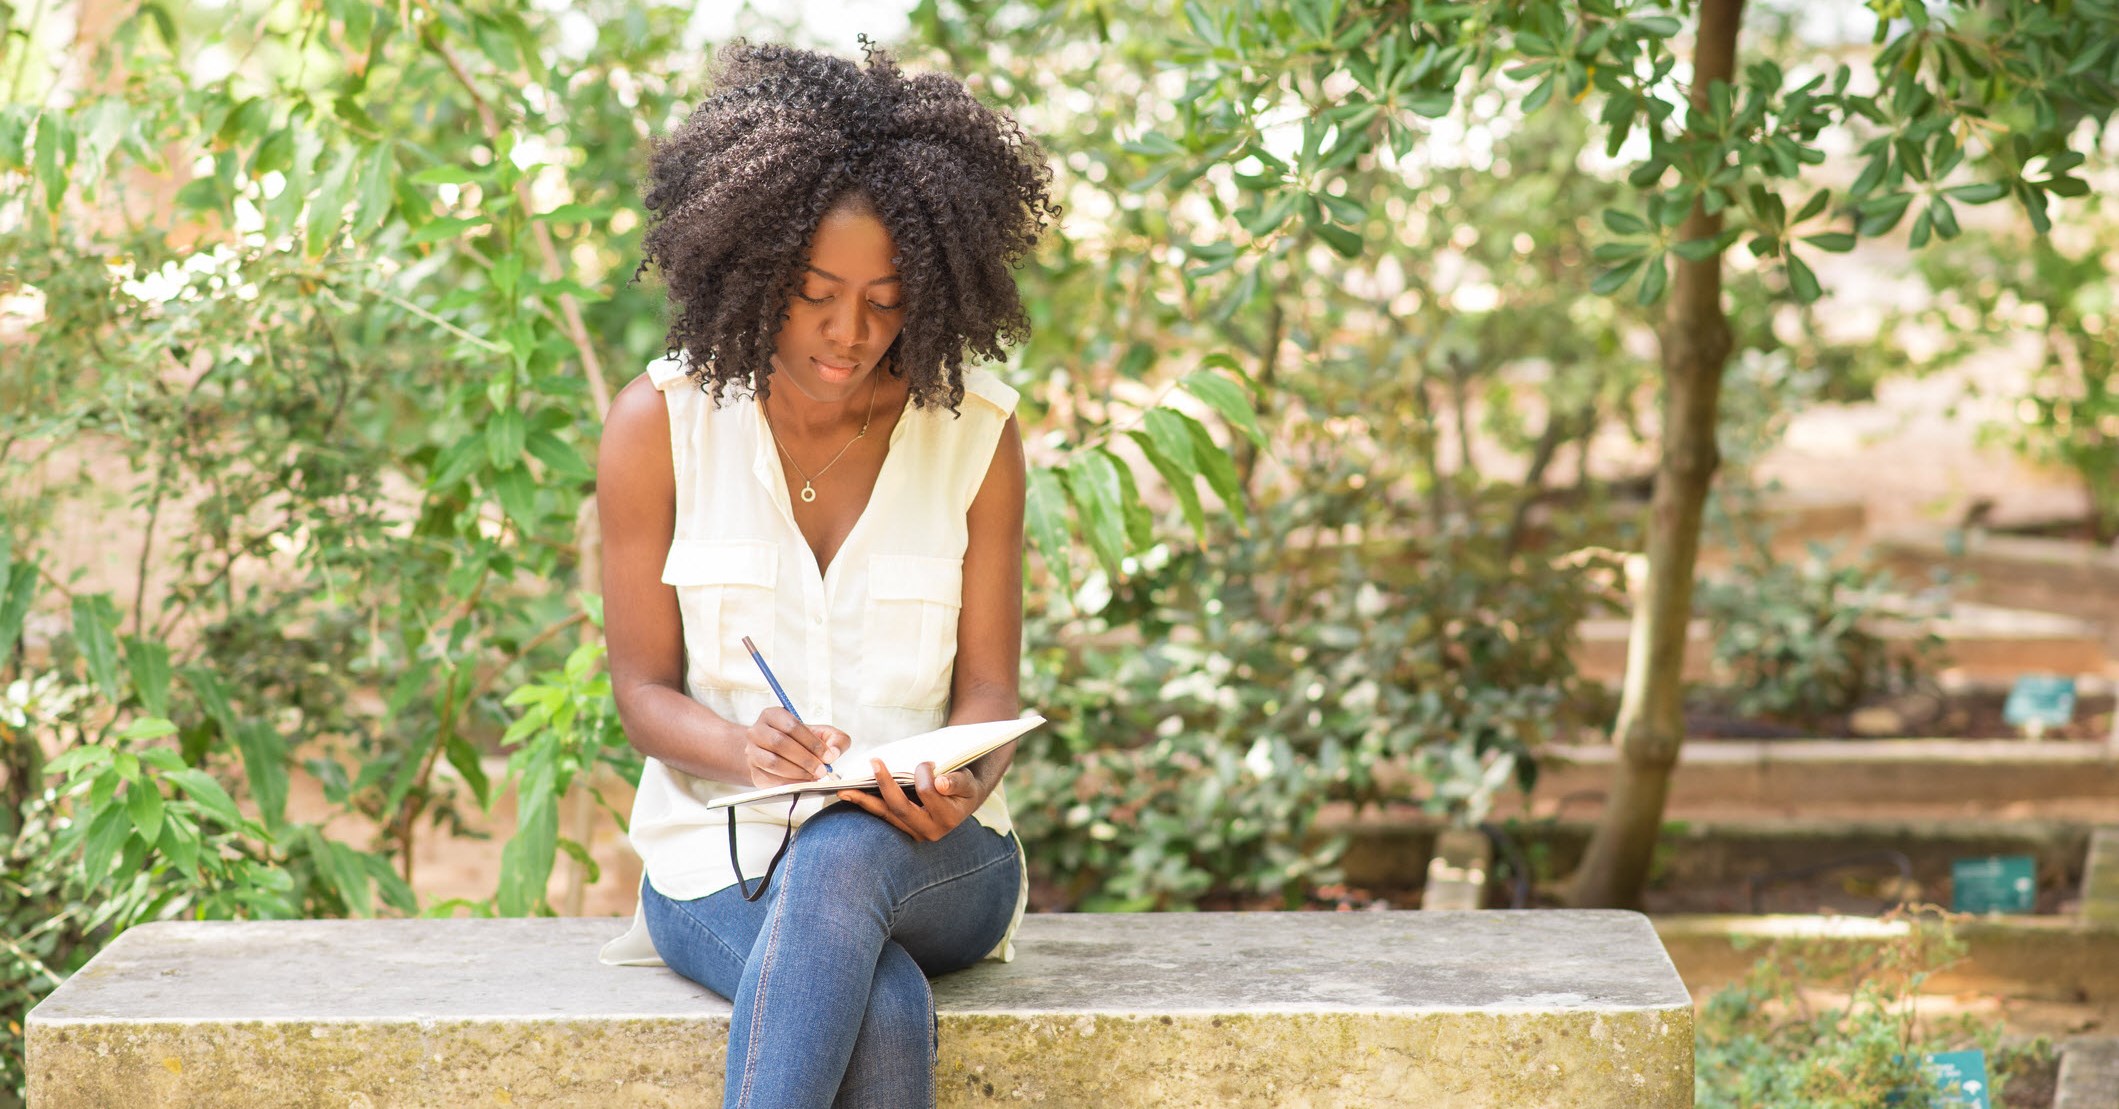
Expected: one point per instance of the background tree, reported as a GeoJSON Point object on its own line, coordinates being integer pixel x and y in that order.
{"type": "Point", "coordinates": [1957, 104]}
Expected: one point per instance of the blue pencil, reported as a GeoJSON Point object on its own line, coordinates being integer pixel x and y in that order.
{"type": "Point", "coordinates": [777, 691]}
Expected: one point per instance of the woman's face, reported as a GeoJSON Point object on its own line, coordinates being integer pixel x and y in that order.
{"type": "Point", "coordinates": [847, 309]}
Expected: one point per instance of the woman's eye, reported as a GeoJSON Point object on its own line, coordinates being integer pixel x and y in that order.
{"type": "Point", "coordinates": [814, 300]}
{"type": "Point", "coordinates": [884, 307]}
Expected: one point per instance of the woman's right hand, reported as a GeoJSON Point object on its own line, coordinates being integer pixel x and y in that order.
{"type": "Point", "coordinates": [779, 749]}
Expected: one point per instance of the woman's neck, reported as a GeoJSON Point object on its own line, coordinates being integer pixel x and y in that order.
{"type": "Point", "coordinates": [797, 415]}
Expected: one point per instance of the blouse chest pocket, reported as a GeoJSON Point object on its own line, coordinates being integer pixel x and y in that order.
{"type": "Point", "coordinates": [909, 630]}
{"type": "Point", "coordinates": [725, 591]}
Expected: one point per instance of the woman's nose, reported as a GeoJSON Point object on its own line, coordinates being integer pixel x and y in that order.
{"type": "Point", "coordinates": [849, 325]}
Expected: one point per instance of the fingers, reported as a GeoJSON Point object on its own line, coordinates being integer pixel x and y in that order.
{"type": "Point", "coordinates": [768, 764]}
{"type": "Point", "coordinates": [934, 808]}
{"type": "Point", "coordinates": [910, 813]}
{"type": "Point", "coordinates": [874, 806]}
{"type": "Point", "coordinates": [836, 742]}
{"type": "Point", "coordinates": [800, 746]}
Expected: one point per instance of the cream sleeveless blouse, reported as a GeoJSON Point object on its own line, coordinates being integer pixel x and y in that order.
{"type": "Point", "coordinates": [867, 646]}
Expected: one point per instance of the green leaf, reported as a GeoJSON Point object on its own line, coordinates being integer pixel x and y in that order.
{"type": "Point", "coordinates": [581, 855]}
{"type": "Point", "coordinates": [1229, 399]}
{"type": "Point", "coordinates": [1624, 223]}
{"type": "Point", "coordinates": [1982, 193]}
{"type": "Point", "coordinates": [53, 156]}
{"type": "Point", "coordinates": [1166, 426]}
{"type": "Point", "coordinates": [376, 195]}
{"type": "Point", "coordinates": [1817, 202]}
{"type": "Point", "coordinates": [1343, 209]}
{"type": "Point", "coordinates": [1653, 279]}
{"type": "Point", "coordinates": [526, 862]}
{"type": "Point", "coordinates": [148, 727]}
{"type": "Point", "coordinates": [1045, 519]}
{"type": "Point", "coordinates": [106, 833]}
{"type": "Point", "coordinates": [161, 758]}
{"type": "Point", "coordinates": [212, 695]}
{"type": "Point", "coordinates": [95, 622]}
{"type": "Point", "coordinates": [149, 663]}
{"type": "Point", "coordinates": [1217, 467]}
{"type": "Point", "coordinates": [341, 868]}
{"type": "Point", "coordinates": [517, 494]}
{"type": "Point", "coordinates": [504, 438]}
{"type": "Point", "coordinates": [561, 459]}
{"type": "Point", "coordinates": [74, 758]}
{"type": "Point", "coordinates": [1541, 94]}
{"type": "Point", "coordinates": [327, 210]}
{"type": "Point", "coordinates": [20, 581]}
{"type": "Point", "coordinates": [208, 794]}
{"type": "Point", "coordinates": [179, 846]}
{"type": "Point", "coordinates": [1181, 481]}
{"type": "Point", "coordinates": [1342, 240]}
{"type": "Point", "coordinates": [396, 893]}
{"type": "Point", "coordinates": [1801, 280]}
{"type": "Point", "coordinates": [144, 802]}
{"type": "Point", "coordinates": [1615, 278]}
{"type": "Point", "coordinates": [265, 763]}
{"type": "Point", "coordinates": [1838, 242]}
{"type": "Point", "coordinates": [464, 758]}
{"type": "Point", "coordinates": [1093, 479]}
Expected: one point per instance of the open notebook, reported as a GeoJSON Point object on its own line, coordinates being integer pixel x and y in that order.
{"type": "Point", "coordinates": [948, 749]}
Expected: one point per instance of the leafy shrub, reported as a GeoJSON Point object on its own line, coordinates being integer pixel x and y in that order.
{"type": "Point", "coordinates": [1801, 641]}
{"type": "Point", "coordinates": [1202, 715]}
{"type": "Point", "coordinates": [1834, 1027]}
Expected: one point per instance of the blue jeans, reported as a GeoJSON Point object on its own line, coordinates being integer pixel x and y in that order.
{"type": "Point", "coordinates": [828, 972]}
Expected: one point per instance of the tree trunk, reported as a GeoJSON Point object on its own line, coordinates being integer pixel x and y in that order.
{"type": "Point", "coordinates": [1651, 724]}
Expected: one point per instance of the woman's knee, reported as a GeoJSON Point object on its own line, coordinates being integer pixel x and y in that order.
{"type": "Point", "coordinates": [843, 839]}
{"type": "Point", "coordinates": [901, 1004]}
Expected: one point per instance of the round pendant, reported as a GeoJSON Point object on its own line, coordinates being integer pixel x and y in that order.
{"type": "Point", "coordinates": [808, 494]}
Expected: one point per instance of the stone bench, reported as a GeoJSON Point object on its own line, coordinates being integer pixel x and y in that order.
{"type": "Point", "coordinates": [1388, 1008]}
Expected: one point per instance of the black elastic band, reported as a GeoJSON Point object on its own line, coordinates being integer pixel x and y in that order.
{"type": "Point", "coordinates": [743, 884]}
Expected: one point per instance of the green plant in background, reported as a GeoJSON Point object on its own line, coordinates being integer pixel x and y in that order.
{"type": "Point", "coordinates": [1207, 710]}
{"type": "Point", "coordinates": [1992, 287]}
{"type": "Point", "coordinates": [1833, 1025]}
{"type": "Point", "coordinates": [1970, 103]}
{"type": "Point", "coordinates": [1800, 641]}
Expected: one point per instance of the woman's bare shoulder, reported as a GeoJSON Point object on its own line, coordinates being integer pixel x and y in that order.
{"type": "Point", "coordinates": [635, 449]}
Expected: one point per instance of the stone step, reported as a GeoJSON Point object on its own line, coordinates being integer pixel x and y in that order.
{"type": "Point", "coordinates": [1981, 643]}
{"type": "Point", "coordinates": [2069, 576]}
{"type": "Point", "coordinates": [2089, 1075]}
{"type": "Point", "coordinates": [1807, 775]}
{"type": "Point", "coordinates": [1389, 849]}
{"type": "Point", "coordinates": [1207, 1009]}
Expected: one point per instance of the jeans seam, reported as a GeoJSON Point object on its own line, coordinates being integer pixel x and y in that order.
{"type": "Point", "coordinates": [757, 1011]}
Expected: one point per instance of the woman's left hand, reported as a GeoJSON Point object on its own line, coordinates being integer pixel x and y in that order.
{"type": "Point", "coordinates": [939, 806]}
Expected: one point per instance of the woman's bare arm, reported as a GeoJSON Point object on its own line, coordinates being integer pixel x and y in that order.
{"type": "Point", "coordinates": [636, 499]}
{"type": "Point", "coordinates": [987, 683]}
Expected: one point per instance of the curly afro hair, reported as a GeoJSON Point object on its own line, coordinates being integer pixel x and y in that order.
{"type": "Point", "coordinates": [736, 192]}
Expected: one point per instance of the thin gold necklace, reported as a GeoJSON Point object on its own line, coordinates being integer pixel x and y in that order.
{"type": "Point", "coordinates": [809, 492]}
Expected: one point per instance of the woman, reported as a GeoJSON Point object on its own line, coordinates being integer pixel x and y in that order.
{"type": "Point", "coordinates": [815, 467]}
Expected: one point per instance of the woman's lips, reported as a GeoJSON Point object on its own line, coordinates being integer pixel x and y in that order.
{"type": "Point", "coordinates": [834, 371]}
